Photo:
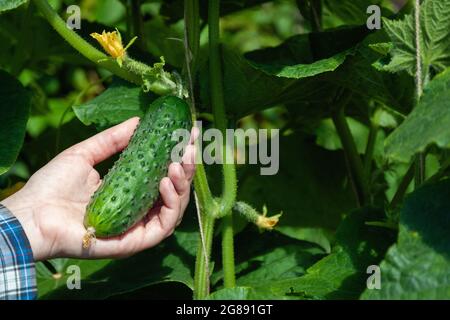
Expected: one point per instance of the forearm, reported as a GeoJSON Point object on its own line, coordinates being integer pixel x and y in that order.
{"type": "Point", "coordinates": [23, 210]}
{"type": "Point", "coordinates": [17, 271]}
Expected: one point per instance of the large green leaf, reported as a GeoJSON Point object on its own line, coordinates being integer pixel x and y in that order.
{"type": "Point", "coordinates": [321, 62]}
{"type": "Point", "coordinates": [279, 263]}
{"type": "Point", "coordinates": [14, 111]}
{"type": "Point", "coordinates": [121, 101]}
{"type": "Point", "coordinates": [243, 293]}
{"type": "Point", "coordinates": [346, 12]}
{"type": "Point", "coordinates": [295, 58]}
{"type": "Point", "coordinates": [435, 38]}
{"type": "Point", "coordinates": [309, 188]}
{"type": "Point", "coordinates": [418, 266]}
{"type": "Point", "coordinates": [268, 256]}
{"type": "Point", "coordinates": [358, 75]}
{"type": "Point", "coordinates": [48, 281]}
{"type": "Point", "coordinates": [427, 124]}
{"type": "Point", "coordinates": [342, 274]}
{"type": "Point", "coordinates": [10, 4]}
{"type": "Point", "coordinates": [172, 260]}
{"type": "Point", "coordinates": [295, 72]}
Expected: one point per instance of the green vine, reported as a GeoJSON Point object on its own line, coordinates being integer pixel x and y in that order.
{"type": "Point", "coordinates": [81, 45]}
{"type": "Point", "coordinates": [229, 171]}
{"type": "Point", "coordinates": [348, 143]}
{"type": "Point", "coordinates": [205, 202]}
{"type": "Point", "coordinates": [151, 78]}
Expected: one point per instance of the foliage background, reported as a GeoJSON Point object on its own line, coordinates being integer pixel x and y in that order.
{"type": "Point", "coordinates": [281, 70]}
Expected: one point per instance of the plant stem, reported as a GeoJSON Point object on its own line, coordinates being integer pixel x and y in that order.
{"type": "Point", "coordinates": [403, 187]}
{"type": "Point", "coordinates": [421, 158]}
{"type": "Point", "coordinates": [228, 197]}
{"type": "Point", "coordinates": [229, 278]}
{"type": "Point", "coordinates": [355, 162]}
{"type": "Point", "coordinates": [81, 45]}
{"type": "Point", "coordinates": [436, 177]}
{"type": "Point", "coordinates": [136, 24]}
{"type": "Point", "coordinates": [192, 22]}
{"type": "Point", "coordinates": [205, 204]}
{"type": "Point", "coordinates": [202, 272]}
{"type": "Point", "coordinates": [316, 15]}
{"type": "Point", "coordinates": [370, 148]}
{"type": "Point", "coordinates": [420, 170]}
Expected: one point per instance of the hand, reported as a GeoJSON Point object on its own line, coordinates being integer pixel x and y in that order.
{"type": "Point", "coordinates": [51, 206]}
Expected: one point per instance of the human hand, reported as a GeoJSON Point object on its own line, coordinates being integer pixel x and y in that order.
{"type": "Point", "coordinates": [52, 204]}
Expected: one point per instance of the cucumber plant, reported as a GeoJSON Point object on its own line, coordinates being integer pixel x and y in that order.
{"type": "Point", "coordinates": [363, 115]}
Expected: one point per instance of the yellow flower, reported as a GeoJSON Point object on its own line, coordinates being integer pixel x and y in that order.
{"type": "Point", "coordinates": [267, 223]}
{"type": "Point", "coordinates": [111, 43]}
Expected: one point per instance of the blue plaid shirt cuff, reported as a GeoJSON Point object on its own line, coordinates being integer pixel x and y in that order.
{"type": "Point", "coordinates": [17, 270]}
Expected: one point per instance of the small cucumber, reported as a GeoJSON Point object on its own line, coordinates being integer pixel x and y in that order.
{"type": "Point", "coordinates": [131, 187]}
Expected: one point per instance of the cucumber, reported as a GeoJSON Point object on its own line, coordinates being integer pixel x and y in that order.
{"type": "Point", "coordinates": [131, 187]}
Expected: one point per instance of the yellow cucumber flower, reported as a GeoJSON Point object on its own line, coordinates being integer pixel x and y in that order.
{"type": "Point", "coordinates": [112, 44]}
{"type": "Point", "coordinates": [265, 222]}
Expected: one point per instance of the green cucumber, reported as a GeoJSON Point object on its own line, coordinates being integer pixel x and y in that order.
{"type": "Point", "coordinates": [131, 187]}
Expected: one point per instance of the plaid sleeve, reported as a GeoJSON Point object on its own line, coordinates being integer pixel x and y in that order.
{"type": "Point", "coordinates": [17, 272]}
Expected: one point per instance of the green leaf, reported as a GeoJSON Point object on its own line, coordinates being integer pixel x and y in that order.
{"type": "Point", "coordinates": [427, 124]}
{"type": "Point", "coordinates": [279, 263]}
{"type": "Point", "coordinates": [305, 172]}
{"type": "Point", "coordinates": [121, 101]}
{"type": "Point", "coordinates": [14, 112]}
{"type": "Point", "coordinates": [435, 39]}
{"type": "Point", "coordinates": [170, 261]}
{"type": "Point", "coordinates": [342, 274]}
{"type": "Point", "coordinates": [294, 59]}
{"type": "Point", "coordinates": [48, 281]}
{"type": "Point", "coordinates": [242, 293]}
{"type": "Point", "coordinates": [269, 257]}
{"type": "Point", "coordinates": [295, 72]}
{"type": "Point", "coordinates": [346, 12]}
{"type": "Point", "coordinates": [10, 4]}
{"type": "Point", "coordinates": [368, 84]}
{"type": "Point", "coordinates": [418, 266]}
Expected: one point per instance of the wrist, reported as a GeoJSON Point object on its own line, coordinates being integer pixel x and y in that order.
{"type": "Point", "coordinates": [23, 210]}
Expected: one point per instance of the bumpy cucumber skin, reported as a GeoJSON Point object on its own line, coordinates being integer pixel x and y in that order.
{"type": "Point", "coordinates": [131, 187]}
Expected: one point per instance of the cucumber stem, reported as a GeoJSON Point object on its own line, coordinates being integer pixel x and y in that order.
{"type": "Point", "coordinates": [349, 146]}
{"type": "Point", "coordinates": [403, 186]}
{"type": "Point", "coordinates": [88, 236]}
{"type": "Point", "coordinates": [83, 46]}
{"type": "Point", "coordinates": [204, 199]}
{"type": "Point", "coordinates": [228, 197]}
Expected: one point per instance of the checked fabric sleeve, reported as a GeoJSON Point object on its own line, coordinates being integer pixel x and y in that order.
{"type": "Point", "coordinates": [17, 271]}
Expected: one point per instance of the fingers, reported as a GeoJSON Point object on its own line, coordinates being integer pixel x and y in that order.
{"type": "Point", "coordinates": [171, 210]}
{"type": "Point", "coordinates": [178, 178]}
{"type": "Point", "coordinates": [106, 143]}
{"type": "Point", "coordinates": [188, 159]}
{"type": "Point", "coordinates": [182, 185]}
{"type": "Point", "coordinates": [188, 162]}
